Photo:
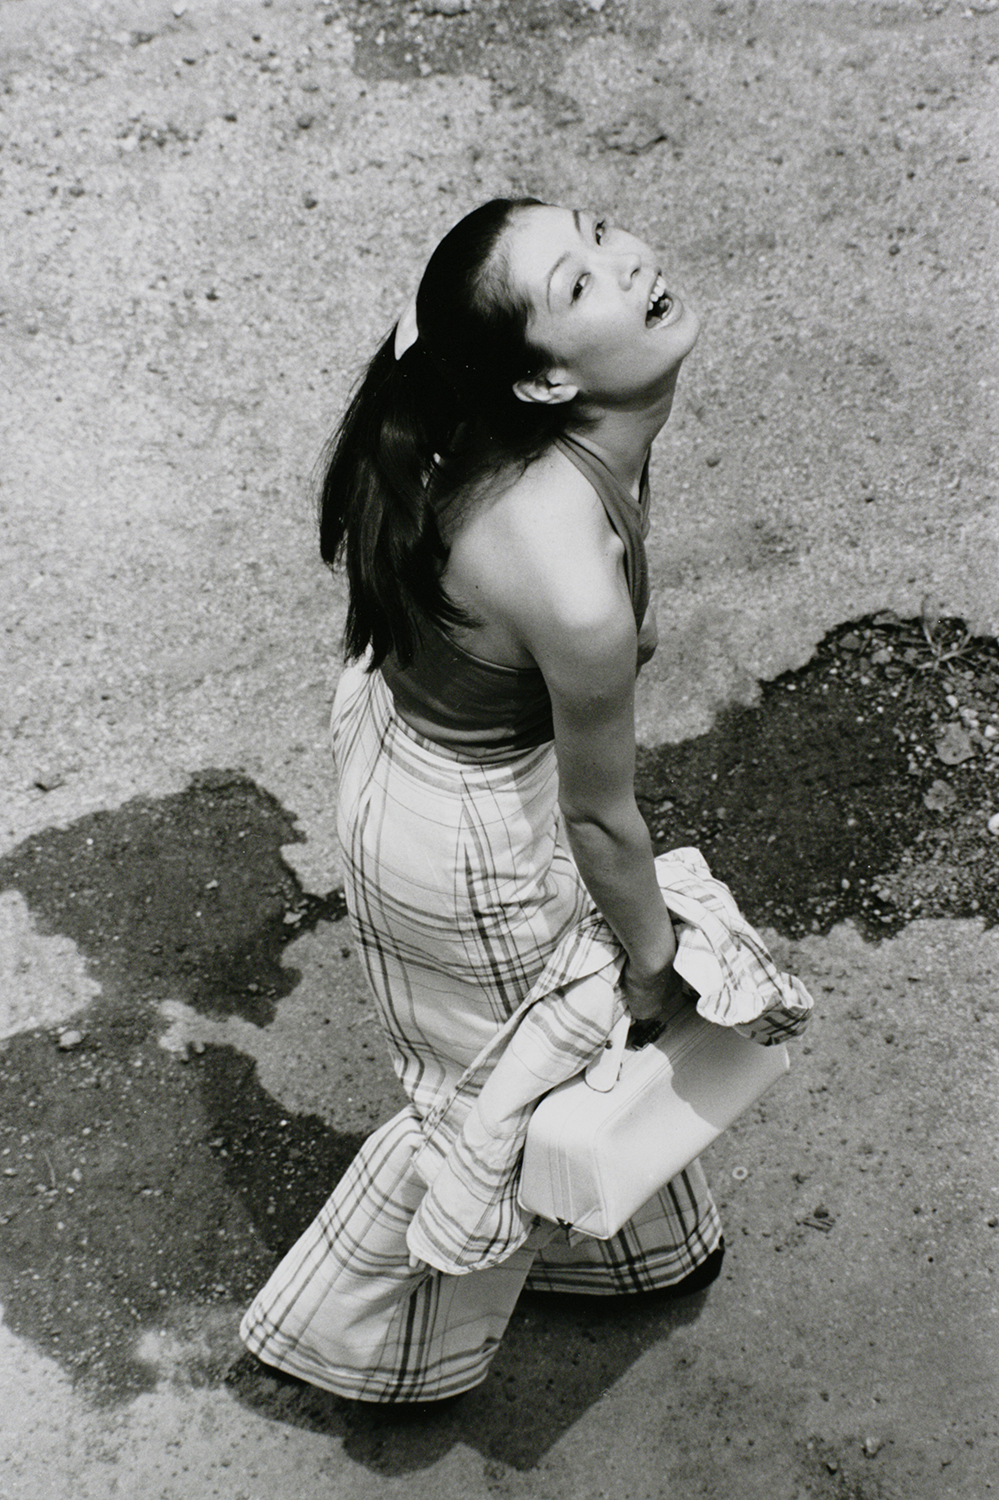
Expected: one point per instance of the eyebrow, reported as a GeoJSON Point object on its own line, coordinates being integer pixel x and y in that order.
{"type": "Point", "coordinates": [562, 259]}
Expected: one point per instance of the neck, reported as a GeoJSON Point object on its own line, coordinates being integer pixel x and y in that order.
{"type": "Point", "coordinates": [623, 436]}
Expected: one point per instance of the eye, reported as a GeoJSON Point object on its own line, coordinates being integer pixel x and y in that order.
{"type": "Point", "coordinates": [599, 230]}
{"type": "Point", "coordinates": [579, 287]}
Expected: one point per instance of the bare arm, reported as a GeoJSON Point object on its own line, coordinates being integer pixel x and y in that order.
{"type": "Point", "coordinates": [545, 571]}
{"type": "Point", "coordinates": [560, 577]}
{"type": "Point", "coordinates": [590, 671]}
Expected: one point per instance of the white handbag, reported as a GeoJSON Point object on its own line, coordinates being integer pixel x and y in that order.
{"type": "Point", "coordinates": [604, 1142]}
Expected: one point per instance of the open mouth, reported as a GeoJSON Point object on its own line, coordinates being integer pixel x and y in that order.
{"type": "Point", "coordinates": [660, 302]}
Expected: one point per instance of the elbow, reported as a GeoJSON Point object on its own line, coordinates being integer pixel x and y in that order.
{"type": "Point", "coordinates": [577, 821]}
{"type": "Point", "coordinates": [588, 821]}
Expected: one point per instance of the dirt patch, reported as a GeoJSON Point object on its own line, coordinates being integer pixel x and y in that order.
{"type": "Point", "coordinates": [860, 786]}
{"type": "Point", "coordinates": [513, 42]}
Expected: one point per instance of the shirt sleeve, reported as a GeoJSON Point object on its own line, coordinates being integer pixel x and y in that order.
{"type": "Point", "coordinates": [469, 1218]}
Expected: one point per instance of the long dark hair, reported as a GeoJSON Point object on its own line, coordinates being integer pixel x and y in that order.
{"type": "Point", "coordinates": [422, 429]}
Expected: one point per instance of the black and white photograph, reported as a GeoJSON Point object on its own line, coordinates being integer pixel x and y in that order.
{"type": "Point", "coordinates": [499, 835]}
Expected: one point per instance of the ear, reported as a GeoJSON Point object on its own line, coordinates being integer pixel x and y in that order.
{"type": "Point", "coordinates": [546, 390]}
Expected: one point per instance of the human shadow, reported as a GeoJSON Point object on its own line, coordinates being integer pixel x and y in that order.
{"type": "Point", "coordinates": [560, 1355]}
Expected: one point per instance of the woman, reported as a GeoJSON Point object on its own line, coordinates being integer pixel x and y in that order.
{"type": "Point", "coordinates": [488, 492]}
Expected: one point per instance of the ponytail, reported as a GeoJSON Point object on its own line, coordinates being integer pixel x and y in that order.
{"type": "Point", "coordinates": [376, 513]}
{"type": "Point", "coordinates": [420, 429]}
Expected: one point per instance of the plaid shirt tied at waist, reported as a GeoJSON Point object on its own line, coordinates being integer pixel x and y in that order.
{"type": "Point", "coordinates": [469, 1218]}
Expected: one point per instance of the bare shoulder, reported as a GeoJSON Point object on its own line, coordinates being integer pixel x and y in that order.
{"type": "Point", "coordinates": [541, 547]}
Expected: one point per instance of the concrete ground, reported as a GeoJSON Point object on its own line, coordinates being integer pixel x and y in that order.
{"type": "Point", "coordinates": [210, 212]}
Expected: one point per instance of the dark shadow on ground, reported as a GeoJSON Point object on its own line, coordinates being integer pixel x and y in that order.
{"type": "Point", "coordinates": [559, 1356]}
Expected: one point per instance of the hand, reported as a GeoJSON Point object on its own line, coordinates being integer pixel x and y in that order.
{"type": "Point", "coordinates": [649, 997]}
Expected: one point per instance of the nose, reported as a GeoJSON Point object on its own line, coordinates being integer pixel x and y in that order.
{"type": "Point", "coordinates": [629, 265]}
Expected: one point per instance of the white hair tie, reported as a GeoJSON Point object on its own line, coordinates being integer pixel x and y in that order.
{"type": "Point", "coordinates": [406, 331]}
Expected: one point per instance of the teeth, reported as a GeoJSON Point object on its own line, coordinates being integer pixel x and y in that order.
{"type": "Point", "coordinates": [660, 302]}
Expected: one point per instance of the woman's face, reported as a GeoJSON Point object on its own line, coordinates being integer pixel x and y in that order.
{"type": "Point", "coordinates": [599, 303]}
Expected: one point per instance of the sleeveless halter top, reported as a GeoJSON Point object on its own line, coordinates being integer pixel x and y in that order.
{"type": "Point", "coordinates": [487, 711]}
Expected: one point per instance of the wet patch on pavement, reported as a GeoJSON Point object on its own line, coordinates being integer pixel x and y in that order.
{"type": "Point", "coordinates": [134, 1181]}
{"type": "Point", "coordinates": [184, 896]}
{"type": "Point", "coordinates": [134, 1186]}
{"type": "Point", "coordinates": [860, 786]}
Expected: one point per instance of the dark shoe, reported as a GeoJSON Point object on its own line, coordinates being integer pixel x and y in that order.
{"type": "Point", "coordinates": [700, 1277]}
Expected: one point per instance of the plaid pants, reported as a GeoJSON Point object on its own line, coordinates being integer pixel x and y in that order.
{"type": "Point", "coordinates": [459, 889]}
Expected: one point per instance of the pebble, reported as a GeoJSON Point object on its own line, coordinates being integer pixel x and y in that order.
{"type": "Point", "coordinates": [939, 797]}
{"type": "Point", "coordinates": [873, 1446]}
{"type": "Point", "coordinates": [954, 746]}
{"type": "Point", "coordinates": [993, 824]}
{"type": "Point", "coordinates": [70, 1039]}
